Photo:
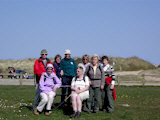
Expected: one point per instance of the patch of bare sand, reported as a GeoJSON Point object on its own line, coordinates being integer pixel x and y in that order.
{"type": "Point", "coordinates": [128, 72]}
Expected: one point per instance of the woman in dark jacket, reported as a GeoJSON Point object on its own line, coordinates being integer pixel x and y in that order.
{"type": "Point", "coordinates": [56, 65]}
{"type": "Point", "coordinates": [97, 79]}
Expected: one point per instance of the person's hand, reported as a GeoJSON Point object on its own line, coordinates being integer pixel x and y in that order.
{"type": "Point", "coordinates": [77, 91]}
{"type": "Point", "coordinates": [102, 87]}
{"type": "Point", "coordinates": [112, 86]}
{"type": "Point", "coordinates": [62, 73]}
{"type": "Point", "coordinates": [54, 89]}
{"type": "Point", "coordinates": [90, 83]}
{"type": "Point", "coordinates": [42, 73]}
{"type": "Point", "coordinates": [46, 94]}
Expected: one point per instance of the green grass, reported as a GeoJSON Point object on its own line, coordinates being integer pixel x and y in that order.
{"type": "Point", "coordinates": [144, 104]}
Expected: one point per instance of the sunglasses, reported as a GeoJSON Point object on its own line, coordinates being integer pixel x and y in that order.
{"type": "Point", "coordinates": [85, 59]}
{"type": "Point", "coordinates": [44, 54]}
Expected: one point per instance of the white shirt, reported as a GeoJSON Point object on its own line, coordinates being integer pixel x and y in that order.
{"type": "Point", "coordinates": [86, 65]}
{"type": "Point", "coordinates": [80, 83]}
{"type": "Point", "coordinates": [106, 68]}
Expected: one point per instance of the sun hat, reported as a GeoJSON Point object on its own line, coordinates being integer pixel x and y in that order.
{"type": "Point", "coordinates": [44, 51]}
{"type": "Point", "coordinates": [67, 51]}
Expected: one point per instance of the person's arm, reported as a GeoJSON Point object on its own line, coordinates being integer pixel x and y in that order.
{"type": "Point", "coordinates": [102, 78]}
{"type": "Point", "coordinates": [84, 89]}
{"type": "Point", "coordinates": [57, 71]}
{"type": "Point", "coordinates": [113, 79]}
{"type": "Point", "coordinates": [73, 88]}
{"type": "Point", "coordinates": [86, 71]}
{"type": "Point", "coordinates": [75, 67]}
{"type": "Point", "coordinates": [58, 82]}
{"type": "Point", "coordinates": [35, 67]}
{"type": "Point", "coordinates": [41, 84]}
{"type": "Point", "coordinates": [86, 74]}
{"type": "Point", "coordinates": [73, 84]}
{"type": "Point", "coordinates": [61, 68]}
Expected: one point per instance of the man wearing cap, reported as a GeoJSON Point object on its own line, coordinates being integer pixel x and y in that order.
{"type": "Point", "coordinates": [39, 67]}
{"type": "Point", "coordinates": [68, 71]}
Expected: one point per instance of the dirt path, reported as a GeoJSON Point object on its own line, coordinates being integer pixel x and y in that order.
{"type": "Point", "coordinates": [128, 72]}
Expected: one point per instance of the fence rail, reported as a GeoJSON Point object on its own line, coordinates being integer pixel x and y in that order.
{"type": "Point", "coordinates": [126, 80]}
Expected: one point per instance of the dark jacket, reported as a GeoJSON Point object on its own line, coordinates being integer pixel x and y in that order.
{"type": "Point", "coordinates": [57, 68]}
{"type": "Point", "coordinates": [69, 67]}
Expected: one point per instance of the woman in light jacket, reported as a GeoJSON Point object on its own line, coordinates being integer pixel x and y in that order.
{"type": "Point", "coordinates": [49, 83]}
{"type": "Point", "coordinates": [97, 80]}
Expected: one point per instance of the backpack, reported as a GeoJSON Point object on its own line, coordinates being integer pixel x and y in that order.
{"type": "Point", "coordinates": [77, 77]}
{"type": "Point", "coordinates": [52, 78]}
{"type": "Point", "coordinates": [83, 79]}
{"type": "Point", "coordinates": [90, 69]}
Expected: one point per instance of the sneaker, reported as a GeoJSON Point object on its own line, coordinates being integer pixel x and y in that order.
{"type": "Point", "coordinates": [78, 115]}
{"type": "Point", "coordinates": [87, 110]}
{"type": "Point", "coordinates": [48, 113]}
{"type": "Point", "coordinates": [36, 112]}
{"type": "Point", "coordinates": [104, 110]}
{"type": "Point", "coordinates": [95, 111]}
{"type": "Point", "coordinates": [73, 115]}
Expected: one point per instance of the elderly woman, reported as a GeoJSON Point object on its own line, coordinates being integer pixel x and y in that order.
{"type": "Point", "coordinates": [49, 83]}
{"type": "Point", "coordinates": [80, 92]}
{"type": "Point", "coordinates": [97, 80]}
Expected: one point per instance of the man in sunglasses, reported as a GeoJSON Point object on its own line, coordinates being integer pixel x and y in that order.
{"type": "Point", "coordinates": [39, 68]}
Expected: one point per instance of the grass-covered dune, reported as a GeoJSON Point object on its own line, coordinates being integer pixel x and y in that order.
{"type": "Point", "coordinates": [120, 64]}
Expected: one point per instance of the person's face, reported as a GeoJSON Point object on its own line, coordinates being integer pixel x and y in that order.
{"type": "Point", "coordinates": [58, 59]}
{"type": "Point", "coordinates": [85, 60]}
{"type": "Point", "coordinates": [105, 61]}
{"type": "Point", "coordinates": [94, 60]}
{"type": "Point", "coordinates": [49, 70]}
{"type": "Point", "coordinates": [67, 56]}
{"type": "Point", "coordinates": [44, 56]}
{"type": "Point", "coordinates": [79, 72]}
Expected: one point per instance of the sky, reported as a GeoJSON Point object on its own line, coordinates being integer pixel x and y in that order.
{"type": "Point", "coordinates": [120, 28]}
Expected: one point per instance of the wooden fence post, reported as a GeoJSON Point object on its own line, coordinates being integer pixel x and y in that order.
{"type": "Point", "coordinates": [20, 79]}
{"type": "Point", "coordinates": [118, 80]}
{"type": "Point", "coordinates": [143, 80]}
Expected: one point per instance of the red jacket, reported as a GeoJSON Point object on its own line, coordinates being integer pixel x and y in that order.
{"type": "Point", "coordinates": [108, 81]}
{"type": "Point", "coordinates": [39, 68]}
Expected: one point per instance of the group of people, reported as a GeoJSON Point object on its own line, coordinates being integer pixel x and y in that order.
{"type": "Point", "coordinates": [88, 81]}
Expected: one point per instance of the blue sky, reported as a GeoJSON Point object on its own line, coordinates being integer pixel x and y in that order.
{"type": "Point", "coordinates": [121, 28]}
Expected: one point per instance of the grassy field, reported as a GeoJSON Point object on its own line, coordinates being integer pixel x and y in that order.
{"type": "Point", "coordinates": [133, 103]}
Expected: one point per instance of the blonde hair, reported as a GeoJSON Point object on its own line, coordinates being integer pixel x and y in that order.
{"type": "Point", "coordinates": [95, 56]}
{"type": "Point", "coordinates": [85, 56]}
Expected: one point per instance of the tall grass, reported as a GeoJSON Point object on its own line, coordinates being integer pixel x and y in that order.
{"type": "Point", "coordinates": [131, 64]}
